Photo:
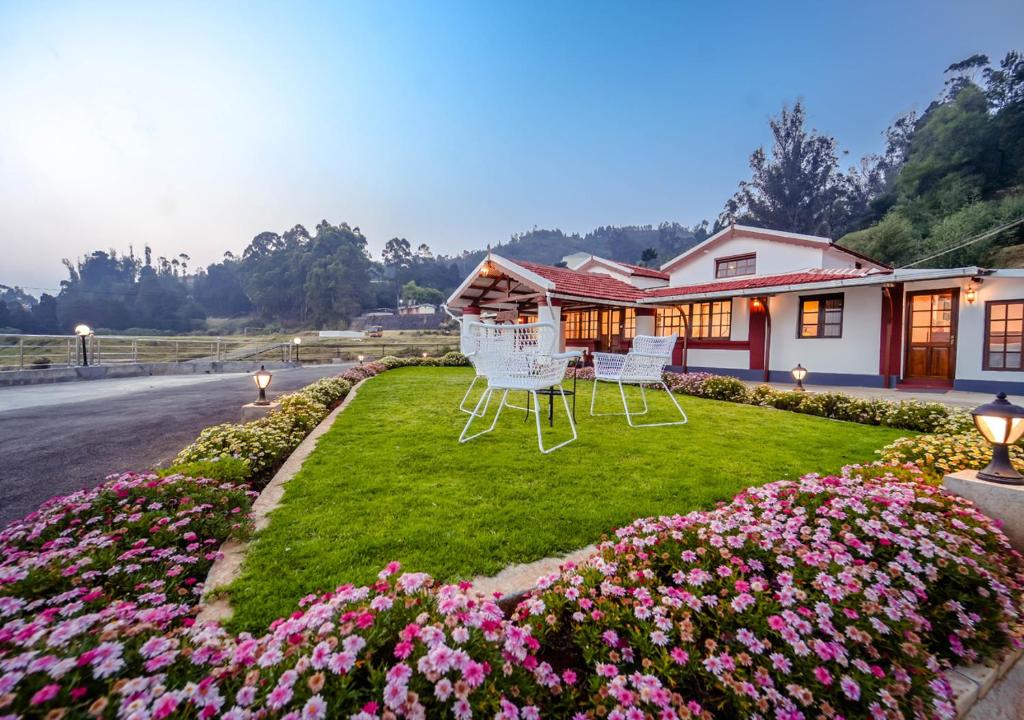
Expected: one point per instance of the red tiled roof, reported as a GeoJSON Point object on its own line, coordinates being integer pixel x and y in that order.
{"type": "Point", "coordinates": [643, 271]}
{"type": "Point", "coordinates": [797, 278]}
{"type": "Point", "coordinates": [584, 284]}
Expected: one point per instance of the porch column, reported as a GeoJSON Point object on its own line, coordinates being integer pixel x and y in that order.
{"type": "Point", "coordinates": [552, 314]}
{"type": "Point", "coordinates": [470, 314]}
{"type": "Point", "coordinates": [645, 321]}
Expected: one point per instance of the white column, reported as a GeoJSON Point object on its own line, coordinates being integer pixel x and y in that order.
{"type": "Point", "coordinates": [553, 314]}
{"type": "Point", "coordinates": [645, 324]}
{"type": "Point", "coordinates": [469, 315]}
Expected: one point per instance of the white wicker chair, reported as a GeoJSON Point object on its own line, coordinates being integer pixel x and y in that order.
{"type": "Point", "coordinates": [642, 366]}
{"type": "Point", "coordinates": [518, 357]}
{"type": "Point", "coordinates": [469, 345]}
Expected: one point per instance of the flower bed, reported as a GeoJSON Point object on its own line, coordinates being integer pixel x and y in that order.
{"type": "Point", "coordinates": [265, 443]}
{"type": "Point", "coordinates": [837, 595]}
{"type": "Point", "coordinates": [97, 585]}
{"type": "Point", "coordinates": [906, 414]}
{"type": "Point", "coordinates": [938, 455]}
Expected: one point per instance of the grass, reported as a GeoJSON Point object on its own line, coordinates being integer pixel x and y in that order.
{"type": "Point", "coordinates": [389, 481]}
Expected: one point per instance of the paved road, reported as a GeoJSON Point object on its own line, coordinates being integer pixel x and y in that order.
{"type": "Point", "coordinates": [59, 438]}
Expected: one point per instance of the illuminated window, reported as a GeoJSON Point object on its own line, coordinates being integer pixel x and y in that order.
{"type": "Point", "coordinates": [821, 316]}
{"type": "Point", "coordinates": [737, 265]}
{"type": "Point", "coordinates": [1004, 327]}
{"type": "Point", "coordinates": [629, 329]}
{"type": "Point", "coordinates": [670, 320]}
{"type": "Point", "coordinates": [711, 319]}
{"type": "Point", "coordinates": [581, 324]}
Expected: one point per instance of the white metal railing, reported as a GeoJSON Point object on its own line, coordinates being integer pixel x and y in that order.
{"type": "Point", "coordinates": [22, 352]}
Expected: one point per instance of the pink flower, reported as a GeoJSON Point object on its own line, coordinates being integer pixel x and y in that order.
{"type": "Point", "coordinates": [45, 694]}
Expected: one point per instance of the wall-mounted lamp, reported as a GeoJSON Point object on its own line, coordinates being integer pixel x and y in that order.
{"type": "Point", "coordinates": [756, 303]}
{"type": "Point", "coordinates": [971, 294]}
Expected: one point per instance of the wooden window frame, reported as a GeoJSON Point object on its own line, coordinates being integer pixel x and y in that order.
{"type": "Point", "coordinates": [711, 315]}
{"type": "Point", "coordinates": [821, 298]}
{"type": "Point", "coordinates": [985, 364]}
{"type": "Point", "coordinates": [735, 258]}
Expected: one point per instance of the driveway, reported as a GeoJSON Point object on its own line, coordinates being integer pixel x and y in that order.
{"type": "Point", "coordinates": [55, 439]}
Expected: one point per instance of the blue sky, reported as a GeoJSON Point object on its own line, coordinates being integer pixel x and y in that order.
{"type": "Point", "coordinates": [194, 126]}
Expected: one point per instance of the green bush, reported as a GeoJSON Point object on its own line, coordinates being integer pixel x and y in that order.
{"type": "Point", "coordinates": [226, 469]}
{"type": "Point", "coordinates": [725, 388]}
{"type": "Point", "coordinates": [454, 359]}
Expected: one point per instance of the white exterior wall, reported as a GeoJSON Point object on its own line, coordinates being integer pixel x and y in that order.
{"type": "Point", "coordinates": [735, 359]}
{"type": "Point", "coordinates": [773, 258]}
{"type": "Point", "coordinates": [856, 352]}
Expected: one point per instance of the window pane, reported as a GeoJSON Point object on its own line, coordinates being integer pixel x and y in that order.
{"type": "Point", "coordinates": [1012, 360]}
{"type": "Point", "coordinates": [922, 302]}
{"type": "Point", "coordinates": [1015, 311]}
{"type": "Point", "coordinates": [998, 311]}
{"type": "Point", "coordinates": [995, 360]}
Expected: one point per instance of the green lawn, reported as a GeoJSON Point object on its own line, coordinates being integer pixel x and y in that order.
{"type": "Point", "coordinates": [390, 481]}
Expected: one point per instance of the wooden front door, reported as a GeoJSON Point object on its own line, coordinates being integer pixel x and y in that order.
{"type": "Point", "coordinates": [931, 335]}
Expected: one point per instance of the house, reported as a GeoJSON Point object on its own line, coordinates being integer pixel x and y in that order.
{"type": "Point", "coordinates": [417, 309]}
{"type": "Point", "coordinates": [754, 303]}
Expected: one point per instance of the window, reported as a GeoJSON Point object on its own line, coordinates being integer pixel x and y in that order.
{"type": "Point", "coordinates": [1003, 330]}
{"type": "Point", "coordinates": [629, 326]}
{"type": "Point", "coordinates": [821, 316]}
{"type": "Point", "coordinates": [737, 265]}
{"type": "Point", "coordinates": [581, 324]}
{"type": "Point", "coordinates": [670, 320]}
{"type": "Point", "coordinates": [711, 319]}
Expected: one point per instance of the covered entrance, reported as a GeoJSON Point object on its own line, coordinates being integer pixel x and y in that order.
{"type": "Point", "coordinates": [931, 336]}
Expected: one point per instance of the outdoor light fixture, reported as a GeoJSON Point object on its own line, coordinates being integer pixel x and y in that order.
{"type": "Point", "coordinates": [487, 269]}
{"type": "Point", "coordinates": [262, 380]}
{"type": "Point", "coordinates": [83, 331]}
{"type": "Point", "coordinates": [424, 356]}
{"type": "Point", "coordinates": [756, 303]}
{"type": "Point", "coordinates": [360, 358]}
{"type": "Point", "coordinates": [296, 342]}
{"type": "Point", "coordinates": [1002, 423]}
{"type": "Point", "coordinates": [799, 373]}
{"type": "Point", "coordinates": [971, 294]}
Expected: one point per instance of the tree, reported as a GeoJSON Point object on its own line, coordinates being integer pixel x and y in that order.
{"type": "Point", "coordinates": [397, 253]}
{"type": "Point", "coordinates": [798, 188]}
{"type": "Point", "coordinates": [648, 256]}
{"type": "Point", "coordinates": [413, 294]}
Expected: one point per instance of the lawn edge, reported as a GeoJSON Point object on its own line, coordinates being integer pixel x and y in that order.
{"type": "Point", "coordinates": [214, 605]}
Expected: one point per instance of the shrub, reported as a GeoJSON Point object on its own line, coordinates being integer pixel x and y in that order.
{"type": "Point", "coordinates": [226, 469]}
{"type": "Point", "coordinates": [938, 455]}
{"type": "Point", "coordinates": [840, 595]}
{"type": "Point", "coordinates": [905, 414]}
{"type": "Point", "coordinates": [454, 359]}
{"type": "Point", "coordinates": [724, 388]}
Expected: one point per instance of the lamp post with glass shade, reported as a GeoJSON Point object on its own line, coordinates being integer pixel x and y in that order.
{"type": "Point", "coordinates": [1002, 423]}
{"type": "Point", "coordinates": [83, 331]}
{"type": "Point", "coordinates": [296, 341]}
{"type": "Point", "coordinates": [262, 380]}
{"type": "Point", "coordinates": [360, 358]}
{"type": "Point", "coordinates": [799, 373]}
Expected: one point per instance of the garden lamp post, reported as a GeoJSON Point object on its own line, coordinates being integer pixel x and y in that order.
{"type": "Point", "coordinates": [424, 356]}
{"type": "Point", "coordinates": [1002, 423]}
{"type": "Point", "coordinates": [799, 373]}
{"type": "Point", "coordinates": [262, 380]}
{"type": "Point", "coordinates": [360, 358]}
{"type": "Point", "coordinates": [296, 342]}
{"type": "Point", "coordinates": [83, 331]}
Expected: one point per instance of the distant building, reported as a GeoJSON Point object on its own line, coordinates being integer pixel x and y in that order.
{"type": "Point", "coordinates": [418, 309]}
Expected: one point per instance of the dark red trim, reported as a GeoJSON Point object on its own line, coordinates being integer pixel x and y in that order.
{"type": "Point", "coordinates": [757, 334]}
{"type": "Point", "coordinates": [890, 344]}
{"type": "Point", "coordinates": [646, 312]}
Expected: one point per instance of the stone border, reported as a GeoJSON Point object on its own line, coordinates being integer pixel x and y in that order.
{"type": "Point", "coordinates": [228, 566]}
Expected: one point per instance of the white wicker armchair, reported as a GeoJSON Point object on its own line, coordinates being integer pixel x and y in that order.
{"type": "Point", "coordinates": [641, 366]}
{"type": "Point", "coordinates": [518, 357]}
